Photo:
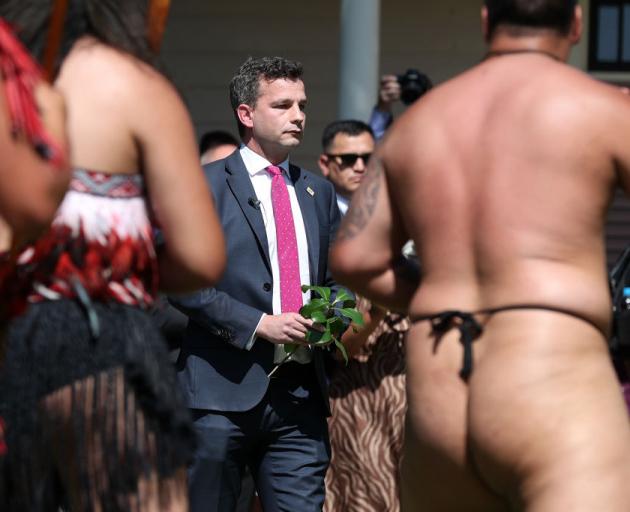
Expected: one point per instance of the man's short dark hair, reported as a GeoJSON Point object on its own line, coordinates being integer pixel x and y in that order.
{"type": "Point", "coordinates": [530, 14]}
{"type": "Point", "coordinates": [211, 140]}
{"type": "Point", "coordinates": [245, 84]}
{"type": "Point", "coordinates": [349, 127]}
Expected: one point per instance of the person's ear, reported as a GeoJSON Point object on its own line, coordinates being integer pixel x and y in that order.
{"type": "Point", "coordinates": [323, 162]}
{"type": "Point", "coordinates": [245, 115]}
{"type": "Point", "coordinates": [577, 26]}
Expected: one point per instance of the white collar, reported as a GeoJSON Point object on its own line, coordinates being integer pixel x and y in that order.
{"type": "Point", "coordinates": [254, 163]}
{"type": "Point", "coordinates": [343, 203]}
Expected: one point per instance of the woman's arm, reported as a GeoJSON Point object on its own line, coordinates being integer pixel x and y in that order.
{"type": "Point", "coordinates": [30, 187]}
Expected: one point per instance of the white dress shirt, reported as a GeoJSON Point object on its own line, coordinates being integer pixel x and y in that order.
{"type": "Point", "coordinates": [261, 181]}
{"type": "Point", "coordinates": [343, 203]}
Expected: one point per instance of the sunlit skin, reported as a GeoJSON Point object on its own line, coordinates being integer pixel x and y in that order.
{"type": "Point", "coordinates": [217, 153]}
{"type": "Point", "coordinates": [275, 124]}
{"type": "Point", "coordinates": [506, 198]}
{"type": "Point", "coordinates": [346, 179]}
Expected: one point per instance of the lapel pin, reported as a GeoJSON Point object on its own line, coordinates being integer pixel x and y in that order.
{"type": "Point", "coordinates": [310, 191]}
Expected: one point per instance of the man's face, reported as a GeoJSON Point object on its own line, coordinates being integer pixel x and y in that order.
{"type": "Point", "coordinates": [277, 120]}
{"type": "Point", "coordinates": [342, 164]}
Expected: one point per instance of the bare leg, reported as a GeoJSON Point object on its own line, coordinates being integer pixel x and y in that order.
{"type": "Point", "coordinates": [547, 415]}
{"type": "Point", "coordinates": [99, 433]}
{"type": "Point", "coordinates": [437, 474]}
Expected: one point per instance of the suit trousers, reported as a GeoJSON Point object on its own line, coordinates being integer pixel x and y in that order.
{"type": "Point", "coordinates": [283, 440]}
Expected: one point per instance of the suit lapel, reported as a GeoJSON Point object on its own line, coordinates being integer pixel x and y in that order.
{"type": "Point", "coordinates": [241, 186]}
{"type": "Point", "coordinates": [306, 200]}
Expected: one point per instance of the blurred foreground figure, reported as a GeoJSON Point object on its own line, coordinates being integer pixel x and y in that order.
{"type": "Point", "coordinates": [502, 177]}
{"type": "Point", "coordinates": [94, 417]}
{"type": "Point", "coordinates": [34, 171]}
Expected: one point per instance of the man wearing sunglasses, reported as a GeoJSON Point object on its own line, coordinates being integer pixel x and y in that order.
{"type": "Point", "coordinates": [347, 146]}
{"type": "Point", "coordinates": [369, 465]}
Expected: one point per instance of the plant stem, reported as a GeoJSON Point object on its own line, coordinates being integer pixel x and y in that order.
{"type": "Point", "coordinates": [286, 358]}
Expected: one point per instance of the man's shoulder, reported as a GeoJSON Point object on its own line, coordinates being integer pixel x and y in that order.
{"type": "Point", "coordinates": [315, 179]}
{"type": "Point", "coordinates": [217, 165]}
{"type": "Point", "coordinates": [215, 171]}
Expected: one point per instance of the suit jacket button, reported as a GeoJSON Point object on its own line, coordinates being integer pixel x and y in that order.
{"type": "Point", "coordinates": [267, 287]}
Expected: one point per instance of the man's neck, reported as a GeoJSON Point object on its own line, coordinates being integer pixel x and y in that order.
{"type": "Point", "coordinates": [549, 43]}
{"type": "Point", "coordinates": [274, 155]}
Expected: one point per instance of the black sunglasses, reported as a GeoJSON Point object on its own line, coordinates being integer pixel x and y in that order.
{"type": "Point", "coordinates": [349, 159]}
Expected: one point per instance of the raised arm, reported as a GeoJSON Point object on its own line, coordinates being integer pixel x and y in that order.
{"type": "Point", "coordinates": [367, 254]}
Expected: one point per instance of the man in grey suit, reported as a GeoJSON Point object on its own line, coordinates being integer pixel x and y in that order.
{"type": "Point", "coordinates": [279, 222]}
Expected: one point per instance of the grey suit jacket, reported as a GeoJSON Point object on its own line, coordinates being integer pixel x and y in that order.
{"type": "Point", "coordinates": [215, 370]}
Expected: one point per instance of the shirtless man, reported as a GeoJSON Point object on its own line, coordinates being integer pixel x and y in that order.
{"type": "Point", "coordinates": [503, 176]}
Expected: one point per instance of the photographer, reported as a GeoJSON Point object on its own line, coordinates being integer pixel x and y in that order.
{"type": "Point", "coordinates": [406, 88]}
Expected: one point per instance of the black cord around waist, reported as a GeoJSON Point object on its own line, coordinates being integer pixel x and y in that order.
{"type": "Point", "coordinates": [470, 329]}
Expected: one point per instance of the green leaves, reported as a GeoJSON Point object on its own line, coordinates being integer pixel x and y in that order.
{"type": "Point", "coordinates": [319, 317]}
{"type": "Point", "coordinates": [342, 349]}
{"type": "Point", "coordinates": [323, 291]}
{"type": "Point", "coordinates": [315, 306]}
{"type": "Point", "coordinates": [342, 296]}
{"type": "Point", "coordinates": [353, 315]}
{"type": "Point", "coordinates": [328, 325]}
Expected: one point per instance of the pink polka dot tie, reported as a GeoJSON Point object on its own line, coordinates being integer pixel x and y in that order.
{"type": "Point", "coordinates": [290, 291]}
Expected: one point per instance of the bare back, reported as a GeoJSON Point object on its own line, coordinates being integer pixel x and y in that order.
{"type": "Point", "coordinates": [503, 177]}
{"type": "Point", "coordinates": [126, 118]}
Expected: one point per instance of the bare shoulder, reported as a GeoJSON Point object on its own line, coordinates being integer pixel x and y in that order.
{"type": "Point", "coordinates": [113, 76]}
{"type": "Point", "coordinates": [49, 98]}
{"type": "Point", "coordinates": [418, 131]}
{"type": "Point", "coordinates": [581, 94]}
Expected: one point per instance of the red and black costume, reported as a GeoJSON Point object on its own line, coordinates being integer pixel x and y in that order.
{"type": "Point", "coordinates": [84, 336]}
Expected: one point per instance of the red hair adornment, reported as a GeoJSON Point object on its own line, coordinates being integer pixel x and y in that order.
{"type": "Point", "coordinates": [21, 74]}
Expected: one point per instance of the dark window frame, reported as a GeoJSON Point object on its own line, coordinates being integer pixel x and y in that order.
{"type": "Point", "coordinates": [593, 63]}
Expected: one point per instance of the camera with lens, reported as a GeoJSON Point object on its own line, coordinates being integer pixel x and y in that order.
{"type": "Point", "coordinates": [413, 84]}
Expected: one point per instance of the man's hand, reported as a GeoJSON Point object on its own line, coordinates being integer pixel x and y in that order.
{"type": "Point", "coordinates": [284, 328]}
{"type": "Point", "coordinates": [388, 93]}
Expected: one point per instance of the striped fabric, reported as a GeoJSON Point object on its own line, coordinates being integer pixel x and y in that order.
{"type": "Point", "coordinates": [366, 428]}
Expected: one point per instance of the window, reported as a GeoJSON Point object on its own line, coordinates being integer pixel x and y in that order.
{"type": "Point", "coordinates": [609, 45]}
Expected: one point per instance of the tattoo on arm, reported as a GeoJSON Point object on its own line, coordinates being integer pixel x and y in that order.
{"type": "Point", "coordinates": [363, 202]}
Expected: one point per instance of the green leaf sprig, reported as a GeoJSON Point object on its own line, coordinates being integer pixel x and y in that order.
{"type": "Point", "coordinates": [326, 315]}
{"type": "Point", "coordinates": [327, 323]}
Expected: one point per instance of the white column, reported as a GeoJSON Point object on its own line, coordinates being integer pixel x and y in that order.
{"type": "Point", "coordinates": [359, 58]}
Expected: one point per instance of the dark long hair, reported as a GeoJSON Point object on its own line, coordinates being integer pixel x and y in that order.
{"type": "Point", "coordinates": [120, 24]}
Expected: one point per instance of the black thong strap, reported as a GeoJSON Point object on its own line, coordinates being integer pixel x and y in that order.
{"type": "Point", "coordinates": [470, 329]}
